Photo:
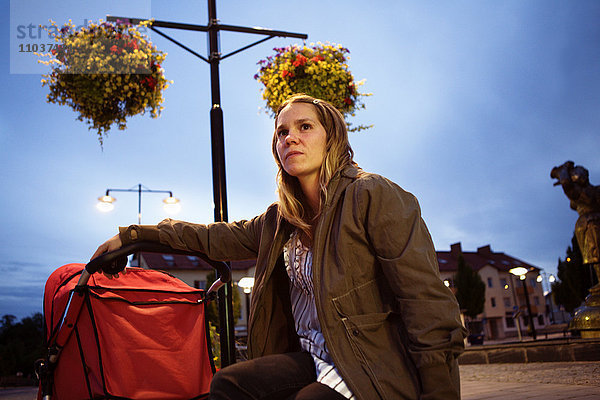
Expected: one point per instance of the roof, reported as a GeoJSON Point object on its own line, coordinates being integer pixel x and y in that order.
{"type": "Point", "coordinates": [183, 262]}
{"type": "Point", "coordinates": [448, 260]}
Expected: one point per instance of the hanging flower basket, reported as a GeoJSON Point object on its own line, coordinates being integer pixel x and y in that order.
{"type": "Point", "coordinates": [320, 71]}
{"type": "Point", "coordinates": [106, 72]}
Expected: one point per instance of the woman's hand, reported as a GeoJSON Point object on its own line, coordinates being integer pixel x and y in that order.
{"type": "Point", "coordinates": [114, 243]}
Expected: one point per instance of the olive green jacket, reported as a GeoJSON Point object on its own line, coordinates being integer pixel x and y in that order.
{"type": "Point", "coordinates": [391, 326]}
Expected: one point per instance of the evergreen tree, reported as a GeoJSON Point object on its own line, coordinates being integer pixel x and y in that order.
{"type": "Point", "coordinates": [470, 289]}
{"type": "Point", "coordinates": [574, 279]}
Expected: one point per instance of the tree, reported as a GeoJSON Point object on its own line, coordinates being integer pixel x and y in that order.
{"type": "Point", "coordinates": [212, 314]}
{"type": "Point", "coordinates": [574, 279]}
{"type": "Point", "coordinates": [470, 289]}
{"type": "Point", "coordinates": [212, 308]}
{"type": "Point", "coordinates": [20, 344]}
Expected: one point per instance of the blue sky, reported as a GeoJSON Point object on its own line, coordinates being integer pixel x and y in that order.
{"type": "Point", "coordinates": [473, 103]}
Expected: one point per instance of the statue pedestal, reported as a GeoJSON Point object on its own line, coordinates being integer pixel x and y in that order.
{"type": "Point", "coordinates": [587, 317]}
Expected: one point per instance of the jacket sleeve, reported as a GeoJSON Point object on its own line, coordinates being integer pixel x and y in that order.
{"type": "Point", "coordinates": [429, 311]}
{"type": "Point", "coordinates": [221, 241]}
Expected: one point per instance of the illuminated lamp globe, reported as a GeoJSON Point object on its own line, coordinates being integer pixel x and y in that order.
{"type": "Point", "coordinates": [171, 205]}
{"type": "Point", "coordinates": [518, 271]}
{"type": "Point", "coordinates": [246, 283]}
{"type": "Point", "coordinates": [105, 203]}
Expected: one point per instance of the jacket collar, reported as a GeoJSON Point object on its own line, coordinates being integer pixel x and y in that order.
{"type": "Point", "coordinates": [339, 181]}
{"type": "Point", "coordinates": [335, 188]}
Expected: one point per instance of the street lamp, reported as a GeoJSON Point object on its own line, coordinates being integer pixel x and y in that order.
{"type": "Point", "coordinates": [214, 58]}
{"type": "Point", "coordinates": [546, 280]}
{"type": "Point", "coordinates": [247, 283]}
{"type": "Point", "coordinates": [106, 202]}
{"type": "Point", "coordinates": [521, 272]}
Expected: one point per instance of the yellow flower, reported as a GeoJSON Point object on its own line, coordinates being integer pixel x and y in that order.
{"type": "Point", "coordinates": [86, 81]}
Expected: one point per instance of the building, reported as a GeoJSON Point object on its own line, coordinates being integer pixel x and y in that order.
{"type": "Point", "coordinates": [193, 271]}
{"type": "Point", "coordinates": [505, 309]}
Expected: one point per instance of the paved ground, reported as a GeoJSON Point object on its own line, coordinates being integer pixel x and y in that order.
{"type": "Point", "coordinates": [533, 381]}
{"type": "Point", "coordinates": [540, 381]}
{"type": "Point", "coordinates": [22, 393]}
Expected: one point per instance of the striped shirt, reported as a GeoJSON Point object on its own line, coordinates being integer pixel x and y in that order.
{"type": "Point", "coordinates": [298, 263]}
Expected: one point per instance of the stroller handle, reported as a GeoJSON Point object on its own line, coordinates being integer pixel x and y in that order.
{"type": "Point", "coordinates": [151, 247]}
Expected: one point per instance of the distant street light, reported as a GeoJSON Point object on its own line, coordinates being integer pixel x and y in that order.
{"type": "Point", "coordinates": [247, 283]}
{"type": "Point", "coordinates": [106, 202]}
{"type": "Point", "coordinates": [521, 272]}
{"type": "Point", "coordinates": [518, 271]}
{"type": "Point", "coordinates": [546, 280]}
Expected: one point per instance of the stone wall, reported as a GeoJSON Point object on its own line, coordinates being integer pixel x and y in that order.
{"type": "Point", "coordinates": [555, 350]}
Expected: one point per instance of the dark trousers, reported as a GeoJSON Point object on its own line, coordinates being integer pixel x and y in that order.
{"type": "Point", "coordinates": [288, 376]}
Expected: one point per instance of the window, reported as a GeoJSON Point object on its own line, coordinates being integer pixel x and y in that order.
{"type": "Point", "coordinates": [536, 300]}
{"type": "Point", "coordinates": [507, 302]}
{"type": "Point", "coordinates": [489, 281]}
{"type": "Point", "coordinates": [200, 284]}
{"type": "Point", "coordinates": [493, 299]}
{"type": "Point", "coordinates": [533, 282]}
{"type": "Point", "coordinates": [540, 319]}
{"type": "Point", "coordinates": [169, 259]}
{"type": "Point", "coordinates": [510, 323]}
{"type": "Point", "coordinates": [193, 260]}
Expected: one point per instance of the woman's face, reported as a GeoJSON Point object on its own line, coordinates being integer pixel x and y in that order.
{"type": "Point", "coordinates": [301, 141]}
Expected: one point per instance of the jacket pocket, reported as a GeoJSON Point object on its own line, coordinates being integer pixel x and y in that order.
{"type": "Point", "coordinates": [373, 296]}
{"type": "Point", "coordinates": [377, 346]}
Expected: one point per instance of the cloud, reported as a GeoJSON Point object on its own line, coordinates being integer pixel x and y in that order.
{"type": "Point", "coordinates": [21, 301]}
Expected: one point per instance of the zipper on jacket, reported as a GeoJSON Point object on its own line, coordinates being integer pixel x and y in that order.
{"type": "Point", "coordinates": [317, 275]}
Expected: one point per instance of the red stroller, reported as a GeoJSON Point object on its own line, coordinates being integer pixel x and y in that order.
{"type": "Point", "coordinates": [142, 336]}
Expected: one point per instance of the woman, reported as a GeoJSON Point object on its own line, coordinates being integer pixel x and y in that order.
{"type": "Point", "coordinates": [347, 302]}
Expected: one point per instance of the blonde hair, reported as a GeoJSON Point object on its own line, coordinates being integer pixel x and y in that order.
{"type": "Point", "coordinates": [338, 154]}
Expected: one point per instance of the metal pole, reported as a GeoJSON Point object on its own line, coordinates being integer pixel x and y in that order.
{"type": "Point", "coordinates": [219, 185]}
{"type": "Point", "coordinates": [247, 308]}
{"type": "Point", "coordinates": [139, 204]}
{"type": "Point", "coordinates": [216, 130]}
{"type": "Point", "coordinates": [513, 289]}
{"type": "Point", "coordinates": [533, 333]}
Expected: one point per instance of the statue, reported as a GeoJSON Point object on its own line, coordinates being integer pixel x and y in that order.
{"type": "Point", "coordinates": [585, 199]}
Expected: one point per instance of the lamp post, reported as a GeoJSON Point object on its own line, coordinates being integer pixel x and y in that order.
{"type": "Point", "coordinates": [105, 203]}
{"type": "Point", "coordinates": [247, 283]}
{"type": "Point", "coordinates": [214, 58]}
{"type": "Point", "coordinates": [546, 280]}
{"type": "Point", "coordinates": [516, 315]}
{"type": "Point", "coordinates": [521, 272]}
